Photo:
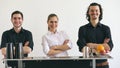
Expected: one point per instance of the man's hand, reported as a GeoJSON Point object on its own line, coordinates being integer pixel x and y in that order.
{"type": "Point", "coordinates": [26, 48]}
{"type": "Point", "coordinates": [105, 44]}
{"type": "Point", "coordinates": [3, 50]}
{"type": "Point", "coordinates": [106, 40]}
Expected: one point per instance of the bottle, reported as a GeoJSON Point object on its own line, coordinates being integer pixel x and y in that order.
{"type": "Point", "coordinates": [9, 51]}
{"type": "Point", "coordinates": [18, 50]}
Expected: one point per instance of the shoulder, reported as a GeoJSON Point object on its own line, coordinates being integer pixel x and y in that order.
{"type": "Point", "coordinates": [45, 35]}
{"type": "Point", "coordinates": [27, 31]}
{"type": "Point", "coordinates": [7, 31]}
{"type": "Point", "coordinates": [83, 27]}
{"type": "Point", "coordinates": [105, 26]}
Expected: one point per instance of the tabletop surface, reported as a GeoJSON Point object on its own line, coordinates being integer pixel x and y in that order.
{"type": "Point", "coordinates": [65, 58]}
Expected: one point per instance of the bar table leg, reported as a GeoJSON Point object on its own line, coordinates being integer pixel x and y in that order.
{"type": "Point", "coordinates": [20, 64]}
{"type": "Point", "coordinates": [94, 63]}
{"type": "Point", "coordinates": [6, 66]}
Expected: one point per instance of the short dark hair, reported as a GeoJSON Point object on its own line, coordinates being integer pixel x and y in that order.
{"type": "Point", "coordinates": [101, 11]}
{"type": "Point", "coordinates": [17, 12]}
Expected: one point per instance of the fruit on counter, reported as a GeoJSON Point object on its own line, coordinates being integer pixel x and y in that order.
{"type": "Point", "coordinates": [103, 52]}
{"type": "Point", "coordinates": [100, 49]}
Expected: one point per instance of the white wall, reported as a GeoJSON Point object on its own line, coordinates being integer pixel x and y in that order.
{"type": "Point", "coordinates": [71, 15]}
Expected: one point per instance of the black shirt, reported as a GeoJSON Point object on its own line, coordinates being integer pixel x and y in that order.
{"type": "Point", "coordinates": [10, 36]}
{"type": "Point", "coordinates": [90, 34]}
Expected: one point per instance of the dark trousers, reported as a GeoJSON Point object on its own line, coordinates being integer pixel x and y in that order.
{"type": "Point", "coordinates": [106, 66]}
{"type": "Point", "coordinates": [88, 64]}
{"type": "Point", "coordinates": [12, 64]}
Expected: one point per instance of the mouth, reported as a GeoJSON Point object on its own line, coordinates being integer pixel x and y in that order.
{"type": "Point", "coordinates": [94, 16]}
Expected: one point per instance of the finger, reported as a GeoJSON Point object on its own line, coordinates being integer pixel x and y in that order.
{"type": "Point", "coordinates": [66, 41]}
{"type": "Point", "coordinates": [106, 40]}
{"type": "Point", "coordinates": [27, 43]}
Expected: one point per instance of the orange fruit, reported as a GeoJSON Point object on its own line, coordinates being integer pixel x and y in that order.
{"type": "Point", "coordinates": [100, 48]}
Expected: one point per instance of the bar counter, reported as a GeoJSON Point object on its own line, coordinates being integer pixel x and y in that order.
{"type": "Point", "coordinates": [54, 62]}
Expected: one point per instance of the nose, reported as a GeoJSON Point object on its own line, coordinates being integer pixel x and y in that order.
{"type": "Point", "coordinates": [94, 12]}
{"type": "Point", "coordinates": [53, 24]}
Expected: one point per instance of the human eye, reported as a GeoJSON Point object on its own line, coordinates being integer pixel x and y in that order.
{"type": "Point", "coordinates": [51, 21]}
{"type": "Point", "coordinates": [55, 21]}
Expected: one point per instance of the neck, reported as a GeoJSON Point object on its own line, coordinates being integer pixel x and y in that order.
{"type": "Point", "coordinates": [53, 31]}
{"type": "Point", "coordinates": [17, 30]}
{"type": "Point", "coordinates": [94, 23]}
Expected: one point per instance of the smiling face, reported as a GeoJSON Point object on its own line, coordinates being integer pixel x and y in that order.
{"type": "Point", "coordinates": [94, 12]}
{"type": "Point", "coordinates": [17, 20]}
{"type": "Point", "coordinates": [53, 23]}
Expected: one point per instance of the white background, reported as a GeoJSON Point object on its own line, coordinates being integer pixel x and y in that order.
{"type": "Point", "coordinates": [71, 15]}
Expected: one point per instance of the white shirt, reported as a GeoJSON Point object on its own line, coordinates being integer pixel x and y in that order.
{"type": "Point", "coordinates": [53, 39]}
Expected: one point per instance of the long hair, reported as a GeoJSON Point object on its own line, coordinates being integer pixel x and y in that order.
{"type": "Point", "coordinates": [101, 11]}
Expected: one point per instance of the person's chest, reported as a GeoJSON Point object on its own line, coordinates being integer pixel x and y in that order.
{"type": "Point", "coordinates": [55, 39]}
{"type": "Point", "coordinates": [16, 37]}
{"type": "Point", "coordinates": [95, 35]}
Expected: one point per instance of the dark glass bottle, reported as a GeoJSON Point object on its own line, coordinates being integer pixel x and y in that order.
{"type": "Point", "coordinates": [18, 50]}
{"type": "Point", "coordinates": [9, 51]}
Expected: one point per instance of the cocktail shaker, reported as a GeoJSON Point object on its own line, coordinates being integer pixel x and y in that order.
{"type": "Point", "coordinates": [85, 52]}
{"type": "Point", "coordinates": [9, 51]}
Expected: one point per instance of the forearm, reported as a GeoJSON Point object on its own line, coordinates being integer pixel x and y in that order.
{"type": "Point", "coordinates": [3, 50]}
{"type": "Point", "coordinates": [92, 45]}
{"type": "Point", "coordinates": [53, 52]}
{"type": "Point", "coordinates": [62, 47]}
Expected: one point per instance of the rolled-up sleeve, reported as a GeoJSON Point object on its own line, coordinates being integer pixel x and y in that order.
{"type": "Point", "coordinates": [67, 38]}
{"type": "Point", "coordinates": [81, 42]}
{"type": "Point", "coordinates": [108, 35]}
{"type": "Point", "coordinates": [3, 40]}
{"type": "Point", "coordinates": [30, 39]}
{"type": "Point", "coordinates": [45, 45]}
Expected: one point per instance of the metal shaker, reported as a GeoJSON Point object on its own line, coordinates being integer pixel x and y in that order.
{"type": "Point", "coordinates": [85, 52]}
{"type": "Point", "coordinates": [18, 50]}
{"type": "Point", "coordinates": [9, 51]}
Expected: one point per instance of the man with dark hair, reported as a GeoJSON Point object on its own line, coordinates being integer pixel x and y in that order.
{"type": "Point", "coordinates": [95, 33]}
{"type": "Point", "coordinates": [17, 35]}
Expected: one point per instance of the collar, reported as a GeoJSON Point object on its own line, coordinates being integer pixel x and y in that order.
{"type": "Point", "coordinates": [98, 24]}
{"type": "Point", "coordinates": [49, 32]}
{"type": "Point", "coordinates": [22, 30]}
